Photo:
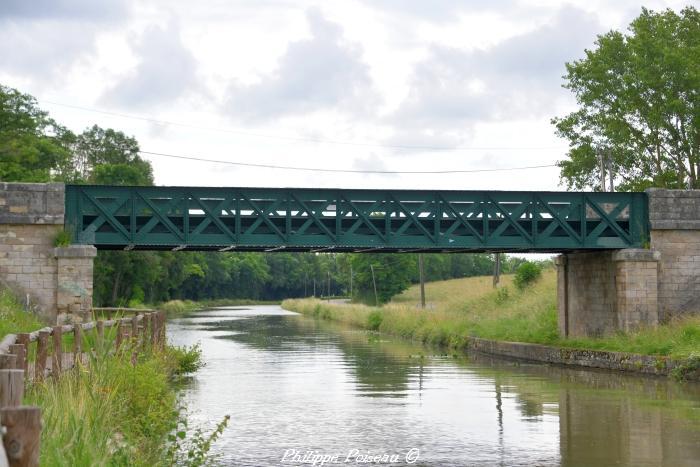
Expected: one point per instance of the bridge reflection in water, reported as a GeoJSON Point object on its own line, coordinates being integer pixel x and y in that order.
{"type": "Point", "coordinates": [292, 382]}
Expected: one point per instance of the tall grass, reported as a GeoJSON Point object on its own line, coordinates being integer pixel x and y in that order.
{"type": "Point", "coordinates": [460, 308]}
{"type": "Point", "coordinates": [13, 318]}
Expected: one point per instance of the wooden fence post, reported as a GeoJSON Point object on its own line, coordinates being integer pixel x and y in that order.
{"type": "Point", "coordinates": [20, 352]}
{"type": "Point", "coordinates": [163, 318]}
{"type": "Point", "coordinates": [154, 329]}
{"type": "Point", "coordinates": [146, 329]}
{"type": "Point", "coordinates": [118, 338]}
{"type": "Point", "coordinates": [21, 440]}
{"type": "Point", "coordinates": [23, 338]}
{"type": "Point", "coordinates": [8, 361]}
{"type": "Point", "coordinates": [77, 344]}
{"type": "Point", "coordinates": [57, 357]}
{"type": "Point", "coordinates": [135, 327]}
{"type": "Point", "coordinates": [42, 351]}
{"type": "Point", "coordinates": [100, 330]}
{"type": "Point", "coordinates": [11, 387]}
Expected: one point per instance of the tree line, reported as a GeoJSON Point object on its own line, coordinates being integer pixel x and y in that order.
{"type": "Point", "coordinates": [36, 148]}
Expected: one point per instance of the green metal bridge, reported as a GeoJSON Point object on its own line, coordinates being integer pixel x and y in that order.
{"type": "Point", "coordinates": [299, 219]}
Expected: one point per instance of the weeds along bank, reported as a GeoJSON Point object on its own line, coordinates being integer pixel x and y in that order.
{"type": "Point", "coordinates": [114, 410]}
{"type": "Point", "coordinates": [462, 308]}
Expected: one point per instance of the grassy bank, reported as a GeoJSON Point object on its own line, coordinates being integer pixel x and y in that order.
{"type": "Point", "coordinates": [461, 308]}
{"type": "Point", "coordinates": [110, 411]}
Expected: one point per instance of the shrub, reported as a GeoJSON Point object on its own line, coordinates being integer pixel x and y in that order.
{"type": "Point", "coordinates": [501, 295]}
{"type": "Point", "coordinates": [374, 320]}
{"type": "Point", "coordinates": [63, 238]}
{"type": "Point", "coordinates": [526, 274]}
{"type": "Point", "coordinates": [186, 360]}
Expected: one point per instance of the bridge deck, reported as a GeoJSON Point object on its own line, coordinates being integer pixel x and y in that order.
{"type": "Point", "coordinates": [296, 219]}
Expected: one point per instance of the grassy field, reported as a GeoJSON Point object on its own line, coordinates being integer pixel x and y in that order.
{"type": "Point", "coordinates": [459, 308]}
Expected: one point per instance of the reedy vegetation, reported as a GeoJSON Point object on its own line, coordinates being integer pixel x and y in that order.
{"type": "Point", "coordinates": [111, 412]}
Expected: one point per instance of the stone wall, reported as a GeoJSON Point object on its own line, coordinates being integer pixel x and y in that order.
{"type": "Point", "coordinates": [587, 294]}
{"type": "Point", "coordinates": [674, 217]}
{"type": "Point", "coordinates": [636, 279]}
{"type": "Point", "coordinates": [54, 282]}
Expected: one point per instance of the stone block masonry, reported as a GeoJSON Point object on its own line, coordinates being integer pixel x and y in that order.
{"type": "Point", "coordinates": [674, 218]}
{"type": "Point", "coordinates": [54, 282]}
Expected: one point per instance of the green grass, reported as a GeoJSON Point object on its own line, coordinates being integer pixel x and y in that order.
{"type": "Point", "coordinates": [13, 318]}
{"type": "Point", "coordinates": [460, 308]}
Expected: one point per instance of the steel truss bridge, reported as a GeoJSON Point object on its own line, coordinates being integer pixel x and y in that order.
{"type": "Point", "coordinates": [298, 219]}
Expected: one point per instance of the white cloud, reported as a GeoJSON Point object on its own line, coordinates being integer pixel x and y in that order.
{"type": "Point", "coordinates": [324, 72]}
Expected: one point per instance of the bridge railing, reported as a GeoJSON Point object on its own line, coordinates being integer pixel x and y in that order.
{"type": "Point", "coordinates": [270, 219]}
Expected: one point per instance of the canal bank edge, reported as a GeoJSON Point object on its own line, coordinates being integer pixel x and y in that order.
{"type": "Point", "coordinates": [688, 369]}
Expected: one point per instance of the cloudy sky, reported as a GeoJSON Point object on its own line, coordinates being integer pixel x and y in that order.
{"type": "Point", "coordinates": [391, 85]}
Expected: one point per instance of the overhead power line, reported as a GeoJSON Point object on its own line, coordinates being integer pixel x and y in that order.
{"type": "Point", "coordinates": [357, 171]}
{"type": "Point", "coordinates": [305, 139]}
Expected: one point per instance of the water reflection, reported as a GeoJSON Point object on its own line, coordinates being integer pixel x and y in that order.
{"type": "Point", "coordinates": [293, 382]}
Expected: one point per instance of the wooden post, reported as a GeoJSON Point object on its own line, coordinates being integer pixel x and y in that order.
{"type": "Point", "coordinates": [154, 329]}
{"type": "Point", "coordinates": [118, 338]}
{"type": "Point", "coordinates": [77, 344]}
{"type": "Point", "coordinates": [135, 327]}
{"type": "Point", "coordinates": [23, 338]}
{"type": "Point", "coordinates": [21, 441]}
{"type": "Point", "coordinates": [163, 318]}
{"type": "Point", "coordinates": [8, 361]}
{"type": "Point", "coordinates": [11, 387]}
{"type": "Point", "coordinates": [42, 351]}
{"type": "Point", "coordinates": [57, 358]}
{"type": "Point", "coordinates": [146, 329]}
{"type": "Point", "coordinates": [100, 330]}
{"type": "Point", "coordinates": [21, 352]}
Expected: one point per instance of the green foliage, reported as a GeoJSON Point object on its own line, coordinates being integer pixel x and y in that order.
{"type": "Point", "coordinates": [689, 370]}
{"type": "Point", "coordinates": [62, 239]}
{"type": "Point", "coordinates": [192, 450]}
{"type": "Point", "coordinates": [392, 275]}
{"type": "Point", "coordinates": [638, 104]}
{"type": "Point", "coordinates": [526, 274]}
{"type": "Point", "coordinates": [502, 294]}
{"type": "Point", "coordinates": [374, 320]}
{"type": "Point", "coordinates": [186, 360]}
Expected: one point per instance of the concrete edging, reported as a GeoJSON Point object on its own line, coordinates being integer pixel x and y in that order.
{"type": "Point", "coordinates": [619, 361]}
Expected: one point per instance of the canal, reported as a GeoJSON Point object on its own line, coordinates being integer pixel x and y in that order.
{"type": "Point", "coordinates": [297, 388]}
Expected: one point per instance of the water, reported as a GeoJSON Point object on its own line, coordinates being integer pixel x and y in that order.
{"type": "Point", "coordinates": [295, 385]}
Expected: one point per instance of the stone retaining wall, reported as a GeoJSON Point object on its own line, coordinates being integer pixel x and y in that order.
{"type": "Point", "coordinates": [620, 361]}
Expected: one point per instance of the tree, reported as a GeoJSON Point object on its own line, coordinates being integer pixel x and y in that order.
{"type": "Point", "coordinates": [639, 106]}
{"type": "Point", "coordinates": [33, 147]}
{"type": "Point", "coordinates": [109, 157]}
{"type": "Point", "coordinates": [392, 275]}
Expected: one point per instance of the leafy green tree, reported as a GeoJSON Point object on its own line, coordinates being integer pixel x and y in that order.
{"type": "Point", "coordinates": [109, 157]}
{"type": "Point", "coordinates": [33, 147]}
{"type": "Point", "coordinates": [639, 105]}
{"type": "Point", "coordinates": [392, 275]}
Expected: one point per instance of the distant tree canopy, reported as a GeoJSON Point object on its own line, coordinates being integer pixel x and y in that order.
{"type": "Point", "coordinates": [639, 105]}
{"type": "Point", "coordinates": [34, 148]}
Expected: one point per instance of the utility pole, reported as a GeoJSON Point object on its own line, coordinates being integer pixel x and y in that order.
{"type": "Point", "coordinates": [314, 287]}
{"type": "Point", "coordinates": [601, 161]}
{"type": "Point", "coordinates": [329, 285]}
{"type": "Point", "coordinates": [497, 270]}
{"type": "Point", "coordinates": [351, 282]}
{"type": "Point", "coordinates": [421, 275]}
{"type": "Point", "coordinates": [610, 171]}
{"type": "Point", "coordinates": [374, 282]}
